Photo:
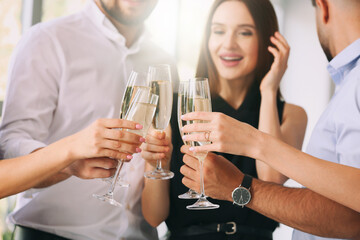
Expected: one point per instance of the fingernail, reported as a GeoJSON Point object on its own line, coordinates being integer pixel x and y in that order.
{"type": "Point", "coordinates": [138, 126]}
{"type": "Point", "coordinates": [138, 150]}
{"type": "Point", "coordinates": [182, 117]}
{"type": "Point", "coordinates": [129, 157]}
{"type": "Point", "coordinates": [142, 139]}
{"type": "Point", "coordinates": [192, 149]}
{"type": "Point", "coordinates": [184, 137]}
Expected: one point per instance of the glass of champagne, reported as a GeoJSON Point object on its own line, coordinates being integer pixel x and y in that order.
{"type": "Point", "coordinates": [198, 99]}
{"type": "Point", "coordinates": [181, 110]}
{"type": "Point", "coordinates": [141, 110]}
{"type": "Point", "coordinates": [136, 81]}
{"type": "Point", "coordinates": [160, 84]}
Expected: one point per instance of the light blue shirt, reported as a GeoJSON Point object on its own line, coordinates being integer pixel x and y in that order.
{"type": "Point", "coordinates": [336, 136]}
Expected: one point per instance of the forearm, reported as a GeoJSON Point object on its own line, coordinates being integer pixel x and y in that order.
{"type": "Point", "coordinates": [304, 210]}
{"type": "Point", "coordinates": [155, 201]}
{"type": "Point", "coordinates": [19, 174]}
{"type": "Point", "coordinates": [270, 124]}
{"type": "Point", "coordinates": [334, 181]}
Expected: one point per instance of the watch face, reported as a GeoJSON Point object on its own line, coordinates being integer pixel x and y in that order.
{"type": "Point", "coordinates": [241, 196]}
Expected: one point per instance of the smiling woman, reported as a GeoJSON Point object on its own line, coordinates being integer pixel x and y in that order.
{"type": "Point", "coordinates": [244, 57]}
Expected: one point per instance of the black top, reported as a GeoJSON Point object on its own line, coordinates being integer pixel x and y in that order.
{"type": "Point", "coordinates": [179, 216]}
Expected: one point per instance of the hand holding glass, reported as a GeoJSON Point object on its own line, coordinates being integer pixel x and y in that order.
{"type": "Point", "coordinates": [181, 110]}
{"type": "Point", "coordinates": [160, 84]}
{"type": "Point", "coordinates": [141, 110]}
{"type": "Point", "coordinates": [197, 99]}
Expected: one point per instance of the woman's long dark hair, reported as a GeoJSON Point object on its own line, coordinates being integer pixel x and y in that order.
{"type": "Point", "coordinates": [263, 13]}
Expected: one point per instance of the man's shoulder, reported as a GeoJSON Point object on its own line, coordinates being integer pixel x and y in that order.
{"type": "Point", "coordinates": [59, 25]}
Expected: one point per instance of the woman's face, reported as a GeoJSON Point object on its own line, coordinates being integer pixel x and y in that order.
{"type": "Point", "coordinates": [233, 42]}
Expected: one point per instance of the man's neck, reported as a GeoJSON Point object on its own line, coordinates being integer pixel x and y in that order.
{"type": "Point", "coordinates": [130, 32]}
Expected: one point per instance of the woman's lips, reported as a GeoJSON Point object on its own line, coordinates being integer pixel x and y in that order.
{"type": "Point", "coordinates": [230, 61]}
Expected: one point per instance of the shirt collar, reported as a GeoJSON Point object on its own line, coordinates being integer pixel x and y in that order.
{"type": "Point", "coordinates": [342, 63]}
{"type": "Point", "coordinates": [109, 30]}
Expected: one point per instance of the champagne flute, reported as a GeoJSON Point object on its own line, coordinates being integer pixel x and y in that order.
{"type": "Point", "coordinates": [136, 81]}
{"type": "Point", "coordinates": [198, 99]}
{"type": "Point", "coordinates": [181, 110]}
{"type": "Point", "coordinates": [160, 84]}
{"type": "Point", "coordinates": [141, 110]}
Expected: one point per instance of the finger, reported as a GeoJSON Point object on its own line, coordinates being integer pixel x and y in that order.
{"type": "Point", "coordinates": [152, 157]}
{"type": "Point", "coordinates": [197, 127]}
{"type": "Point", "coordinates": [156, 134]}
{"type": "Point", "coordinates": [275, 53]}
{"type": "Point", "coordinates": [106, 163]}
{"type": "Point", "coordinates": [155, 148]}
{"type": "Point", "coordinates": [188, 172]}
{"type": "Point", "coordinates": [99, 173]}
{"type": "Point", "coordinates": [191, 184]}
{"type": "Point", "coordinates": [278, 44]}
{"type": "Point", "coordinates": [115, 154]}
{"type": "Point", "coordinates": [198, 137]}
{"type": "Point", "coordinates": [282, 39]}
{"type": "Point", "coordinates": [197, 116]}
{"type": "Point", "coordinates": [121, 146]}
{"type": "Point", "coordinates": [118, 123]}
{"type": "Point", "coordinates": [191, 161]}
{"type": "Point", "coordinates": [124, 136]}
{"type": "Point", "coordinates": [203, 148]}
{"type": "Point", "coordinates": [150, 139]}
{"type": "Point", "coordinates": [185, 149]}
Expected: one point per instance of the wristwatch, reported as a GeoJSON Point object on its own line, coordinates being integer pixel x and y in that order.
{"type": "Point", "coordinates": [241, 195]}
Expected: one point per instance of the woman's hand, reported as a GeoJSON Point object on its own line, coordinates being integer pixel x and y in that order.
{"type": "Point", "coordinates": [96, 148]}
{"type": "Point", "coordinates": [281, 51]}
{"type": "Point", "coordinates": [221, 177]}
{"type": "Point", "coordinates": [225, 133]}
{"type": "Point", "coordinates": [157, 147]}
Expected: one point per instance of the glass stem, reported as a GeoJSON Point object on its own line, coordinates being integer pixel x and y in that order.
{"type": "Point", "coordinates": [158, 162]}
{"type": "Point", "coordinates": [115, 178]}
{"type": "Point", "coordinates": [158, 166]}
{"type": "Point", "coordinates": [202, 195]}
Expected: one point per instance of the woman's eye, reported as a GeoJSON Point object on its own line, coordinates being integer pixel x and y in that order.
{"type": "Point", "coordinates": [218, 31]}
{"type": "Point", "coordinates": [246, 33]}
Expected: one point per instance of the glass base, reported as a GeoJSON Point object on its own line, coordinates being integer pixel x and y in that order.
{"type": "Point", "coordinates": [202, 204]}
{"type": "Point", "coordinates": [191, 194]}
{"type": "Point", "coordinates": [108, 198]}
{"type": "Point", "coordinates": [160, 175]}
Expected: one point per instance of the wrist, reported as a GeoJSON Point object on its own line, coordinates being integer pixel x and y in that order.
{"type": "Point", "coordinates": [261, 145]}
{"type": "Point", "coordinates": [268, 93]}
{"type": "Point", "coordinates": [234, 184]}
{"type": "Point", "coordinates": [67, 149]}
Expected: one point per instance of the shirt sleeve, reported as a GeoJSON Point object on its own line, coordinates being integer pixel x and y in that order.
{"type": "Point", "coordinates": [348, 132]}
{"type": "Point", "coordinates": [31, 94]}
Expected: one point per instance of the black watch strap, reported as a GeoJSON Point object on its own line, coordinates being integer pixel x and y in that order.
{"type": "Point", "coordinates": [247, 180]}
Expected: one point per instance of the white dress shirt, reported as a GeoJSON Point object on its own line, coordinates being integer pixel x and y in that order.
{"type": "Point", "coordinates": [336, 136]}
{"type": "Point", "coordinates": [64, 75]}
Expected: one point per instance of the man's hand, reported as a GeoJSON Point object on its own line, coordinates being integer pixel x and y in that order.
{"type": "Point", "coordinates": [221, 177]}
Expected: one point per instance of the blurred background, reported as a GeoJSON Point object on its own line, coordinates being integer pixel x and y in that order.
{"type": "Point", "coordinates": [177, 26]}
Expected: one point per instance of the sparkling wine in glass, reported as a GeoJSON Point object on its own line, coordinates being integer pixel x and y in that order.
{"type": "Point", "coordinates": [136, 81]}
{"type": "Point", "coordinates": [198, 99]}
{"type": "Point", "coordinates": [181, 110]}
{"type": "Point", "coordinates": [141, 110]}
{"type": "Point", "coordinates": [160, 84]}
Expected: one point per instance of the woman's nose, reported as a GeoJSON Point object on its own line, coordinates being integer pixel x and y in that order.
{"type": "Point", "coordinates": [229, 41]}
